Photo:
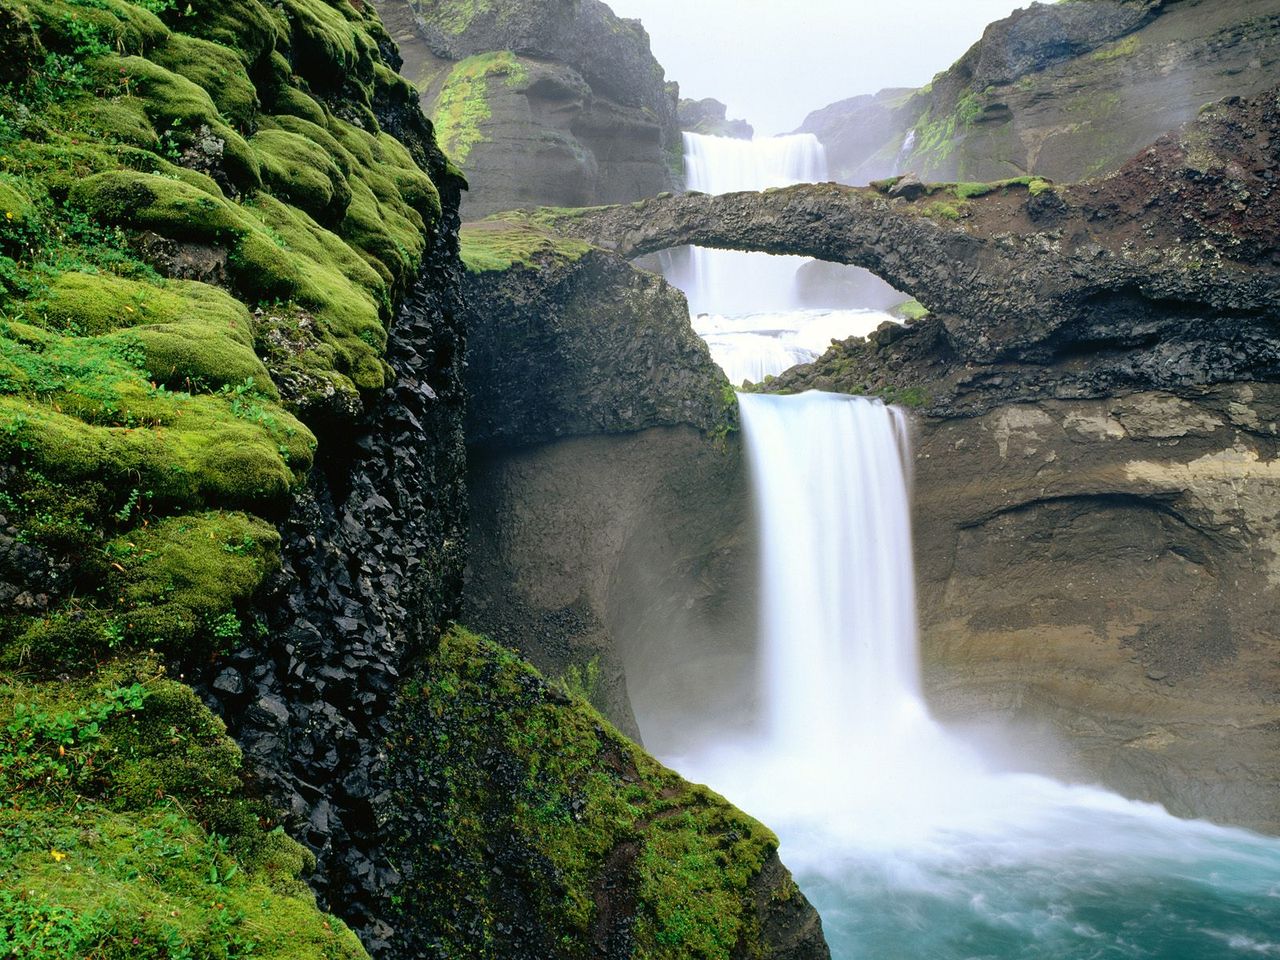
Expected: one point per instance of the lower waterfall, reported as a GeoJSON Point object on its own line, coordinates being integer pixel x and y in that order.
{"type": "Point", "coordinates": [907, 840]}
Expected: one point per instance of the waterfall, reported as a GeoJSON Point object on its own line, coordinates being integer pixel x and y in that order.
{"type": "Point", "coordinates": [906, 838]}
{"type": "Point", "coordinates": [726, 281]}
{"type": "Point", "coordinates": [747, 305]}
{"type": "Point", "coordinates": [908, 144]}
{"type": "Point", "coordinates": [839, 656]}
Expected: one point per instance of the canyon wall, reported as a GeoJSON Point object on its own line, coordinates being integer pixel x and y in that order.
{"type": "Point", "coordinates": [1095, 484]}
{"type": "Point", "coordinates": [541, 101]}
{"type": "Point", "coordinates": [1064, 91]}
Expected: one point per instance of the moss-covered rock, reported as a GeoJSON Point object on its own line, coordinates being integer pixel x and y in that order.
{"type": "Point", "coordinates": [155, 218]}
{"type": "Point", "coordinates": [533, 828]}
{"type": "Point", "coordinates": [123, 834]}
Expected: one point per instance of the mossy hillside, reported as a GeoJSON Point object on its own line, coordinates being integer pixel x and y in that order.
{"type": "Point", "coordinates": [462, 106]}
{"type": "Point", "coordinates": [123, 834]}
{"type": "Point", "coordinates": [162, 207]}
{"type": "Point", "coordinates": [532, 797]}
{"type": "Point", "coordinates": [124, 131]}
{"type": "Point", "coordinates": [500, 243]}
{"type": "Point", "coordinates": [455, 16]}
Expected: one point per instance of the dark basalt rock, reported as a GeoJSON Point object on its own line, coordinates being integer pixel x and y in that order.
{"type": "Point", "coordinates": [372, 553]}
{"type": "Point", "coordinates": [585, 347]}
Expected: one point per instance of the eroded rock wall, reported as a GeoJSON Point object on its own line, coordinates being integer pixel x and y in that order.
{"type": "Point", "coordinates": [1065, 91]}
{"type": "Point", "coordinates": [542, 101]}
{"type": "Point", "coordinates": [1107, 569]}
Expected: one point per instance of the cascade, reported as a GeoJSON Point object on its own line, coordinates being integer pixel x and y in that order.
{"type": "Point", "coordinates": [745, 305]}
{"type": "Point", "coordinates": [903, 835]}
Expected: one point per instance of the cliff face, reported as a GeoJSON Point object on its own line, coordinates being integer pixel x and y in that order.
{"type": "Point", "coordinates": [542, 101]}
{"type": "Point", "coordinates": [597, 419]}
{"type": "Point", "coordinates": [1064, 91]}
{"type": "Point", "coordinates": [711, 117]}
{"type": "Point", "coordinates": [215, 220]}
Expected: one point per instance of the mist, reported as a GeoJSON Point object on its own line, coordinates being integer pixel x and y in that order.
{"type": "Point", "coordinates": [774, 63]}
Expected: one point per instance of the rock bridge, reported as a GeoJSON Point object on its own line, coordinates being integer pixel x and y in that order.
{"type": "Point", "coordinates": [1184, 233]}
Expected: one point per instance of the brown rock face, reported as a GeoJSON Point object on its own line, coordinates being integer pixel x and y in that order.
{"type": "Point", "coordinates": [541, 101]}
{"type": "Point", "coordinates": [1108, 568]}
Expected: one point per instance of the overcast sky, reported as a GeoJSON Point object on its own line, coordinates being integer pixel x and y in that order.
{"type": "Point", "coordinates": [773, 61]}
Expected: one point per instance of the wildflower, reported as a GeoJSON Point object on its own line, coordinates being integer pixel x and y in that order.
{"type": "Point", "coordinates": [58, 855]}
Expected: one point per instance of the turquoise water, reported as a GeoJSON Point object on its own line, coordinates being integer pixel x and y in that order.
{"type": "Point", "coordinates": [1168, 890]}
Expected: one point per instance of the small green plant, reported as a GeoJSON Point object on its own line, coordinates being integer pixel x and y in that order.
{"type": "Point", "coordinates": [582, 681]}
{"type": "Point", "coordinates": [227, 626]}
{"type": "Point", "coordinates": [49, 748]}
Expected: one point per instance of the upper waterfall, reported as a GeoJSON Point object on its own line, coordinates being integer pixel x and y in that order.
{"type": "Point", "coordinates": [724, 281]}
{"type": "Point", "coordinates": [749, 306]}
{"type": "Point", "coordinates": [725, 164]}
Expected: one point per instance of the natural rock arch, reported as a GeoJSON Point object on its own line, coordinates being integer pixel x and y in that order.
{"type": "Point", "coordinates": [1022, 268]}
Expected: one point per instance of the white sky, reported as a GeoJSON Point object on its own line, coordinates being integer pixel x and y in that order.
{"type": "Point", "coordinates": [773, 61]}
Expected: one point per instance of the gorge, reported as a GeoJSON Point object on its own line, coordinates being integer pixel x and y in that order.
{"type": "Point", "coordinates": [432, 446]}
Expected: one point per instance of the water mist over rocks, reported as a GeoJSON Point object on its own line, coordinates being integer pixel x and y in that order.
{"type": "Point", "coordinates": [908, 839]}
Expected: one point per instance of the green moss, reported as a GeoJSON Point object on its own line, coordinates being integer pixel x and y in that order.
{"type": "Point", "coordinates": [250, 27]}
{"type": "Point", "coordinates": [502, 243]}
{"type": "Point", "coordinates": [122, 835]}
{"type": "Point", "coordinates": [1125, 47]}
{"type": "Point", "coordinates": [936, 137]}
{"type": "Point", "coordinates": [911, 311]}
{"type": "Point", "coordinates": [184, 112]}
{"type": "Point", "coordinates": [216, 69]}
{"type": "Point", "coordinates": [144, 443]}
{"type": "Point", "coordinates": [455, 16]}
{"type": "Point", "coordinates": [578, 800]}
{"type": "Point", "coordinates": [969, 191]}
{"type": "Point", "coordinates": [463, 106]}
{"type": "Point", "coordinates": [913, 397]}
{"type": "Point", "coordinates": [946, 210]}
{"type": "Point", "coordinates": [301, 172]}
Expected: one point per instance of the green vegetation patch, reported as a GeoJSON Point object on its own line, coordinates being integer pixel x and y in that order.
{"type": "Point", "coordinates": [187, 189]}
{"type": "Point", "coordinates": [911, 311]}
{"type": "Point", "coordinates": [511, 240]}
{"type": "Point", "coordinates": [531, 795]}
{"type": "Point", "coordinates": [122, 834]}
{"type": "Point", "coordinates": [463, 105]}
{"type": "Point", "coordinates": [1125, 47]}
